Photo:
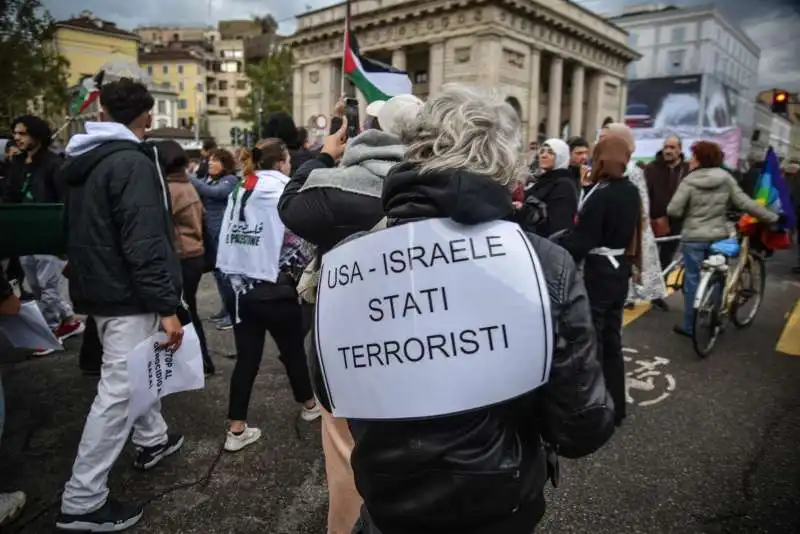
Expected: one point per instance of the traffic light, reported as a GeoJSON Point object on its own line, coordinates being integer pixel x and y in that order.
{"type": "Point", "coordinates": [780, 101]}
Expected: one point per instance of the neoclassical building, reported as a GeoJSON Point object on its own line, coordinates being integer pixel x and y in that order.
{"type": "Point", "coordinates": [561, 67]}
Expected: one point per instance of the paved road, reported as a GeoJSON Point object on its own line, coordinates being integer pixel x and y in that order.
{"type": "Point", "coordinates": [718, 454]}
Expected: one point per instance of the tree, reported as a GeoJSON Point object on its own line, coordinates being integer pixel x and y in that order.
{"type": "Point", "coordinates": [33, 74]}
{"type": "Point", "coordinates": [270, 86]}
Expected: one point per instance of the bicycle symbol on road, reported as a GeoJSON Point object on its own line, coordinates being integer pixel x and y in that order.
{"type": "Point", "coordinates": [646, 380]}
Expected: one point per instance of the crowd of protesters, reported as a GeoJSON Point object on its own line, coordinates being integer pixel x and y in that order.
{"type": "Point", "coordinates": [144, 224]}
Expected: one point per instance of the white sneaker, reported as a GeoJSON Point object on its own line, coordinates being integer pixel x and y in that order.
{"type": "Point", "coordinates": [234, 442]}
{"type": "Point", "coordinates": [310, 414]}
{"type": "Point", "coordinates": [11, 505]}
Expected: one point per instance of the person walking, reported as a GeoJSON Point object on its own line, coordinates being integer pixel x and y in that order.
{"type": "Point", "coordinates": [33, 178]}
{"type": "Point", "coordinates": [187, 221]}
{"type": "Point", "coordinates": [262, 262]}
{"type": "Point", "coordinates": [125, 273]}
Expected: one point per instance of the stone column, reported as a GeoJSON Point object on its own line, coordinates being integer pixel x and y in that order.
{"type": "Point", "coordinates": [593, 107]}
{"type": "Point", "coordinates": [490, 58]}
{"type": "Point", "coordinates": [399, 58]}
{"type": "Point", "coordinates": [435, 68]}
{"type": "Point", "coordinates": [576, 102]}
{"type": "Point", "coordinates": [326, 79]}
{"type": "Point", "coordinates": [554, 97]}
{"type": "Point", "coordinates": [623, 99]}
{"type": "Point", "coordinates": [533, 94]}
{"type": "Point", "coordinates": [297, 92]}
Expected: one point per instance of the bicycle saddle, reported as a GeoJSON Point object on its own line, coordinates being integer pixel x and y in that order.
{"type": "Point", "coordinates": [727, 247]}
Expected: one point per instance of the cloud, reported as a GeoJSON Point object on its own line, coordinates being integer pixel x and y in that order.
{"type": "Point", "coordinates": [129, 14]}
{"type": "Point", "coordinates": [776, 34]}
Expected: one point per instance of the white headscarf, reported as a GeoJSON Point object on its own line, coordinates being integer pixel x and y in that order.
{"type": "Point", "coordinates": [561, 150]}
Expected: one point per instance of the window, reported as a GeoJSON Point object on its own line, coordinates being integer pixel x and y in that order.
{"type": "Point", "coordinates": [165, 69]}
{"type": "Point", "coordinates": [182, 104]}
{"type": "Point", "coordinates": [230, 66]}
{"type": "Point", "coordinates": [223, 85]}
{"type": "Point", "coordinates": [149, 70]}
{"type": "Point", "coordinates": [161, 105]}
{"type": "Point", "coordinates": [421, 76]}
{"type": "Point", "coordinates": [242, 102]}
{"type": "Point", "coordinates": [241, 84]}
{"type": "Point", "coordinates": [180, 87]}
{"type": "Point", "coordinates": [678, 34]}
{"type": "Point", "coordinates": [232, 54]}
{"type": "Point", "coordinates": [223, 102]}
{"type": "Point", "coordinates": [162, 123]}
{"type": "Point", "coordinates": [180, 69]}
{"type": "Point", "coordinates": [675, 60]}
{"type": "Point", "coordinates": [199, 87]}
{"type": "Point", "coordinates": [183, 123]}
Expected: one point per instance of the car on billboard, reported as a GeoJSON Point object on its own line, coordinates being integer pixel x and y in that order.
{"type": "Point", "coordinates": [638, 116]}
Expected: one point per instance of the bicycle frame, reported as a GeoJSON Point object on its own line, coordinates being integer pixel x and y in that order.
{"type": "Point", "coordinates": [709, 268]}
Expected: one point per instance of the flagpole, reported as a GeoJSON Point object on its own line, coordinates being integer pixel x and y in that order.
{"type": "Point", "coordinates": [344, 44]}
{"type": "Point", "coordinates": [62, 128]}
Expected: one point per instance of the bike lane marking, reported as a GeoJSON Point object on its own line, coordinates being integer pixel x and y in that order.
{"type": "Point", "coordinates": [789, 342]}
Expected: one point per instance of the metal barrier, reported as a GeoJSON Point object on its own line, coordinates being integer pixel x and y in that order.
{"type": "Point", "coordinates": [668, 238]}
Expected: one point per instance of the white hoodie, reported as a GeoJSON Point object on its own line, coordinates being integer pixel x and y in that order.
{"type": "Point", "coordinates": [96, 134]}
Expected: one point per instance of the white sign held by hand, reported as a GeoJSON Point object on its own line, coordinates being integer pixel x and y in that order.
{"type": "Point", "coordinates": [432, 318]}
{"type": "Point", "coordinates": [28, 329]}
{"type": "Point", "coordinates": [156, 372]}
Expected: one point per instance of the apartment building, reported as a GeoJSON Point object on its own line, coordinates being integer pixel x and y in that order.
{"type": "Point", "coordinates": [186, 71]}
{"type": "Point", "coordinates": [696, 68]}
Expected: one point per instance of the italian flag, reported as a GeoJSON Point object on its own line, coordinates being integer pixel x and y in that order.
{"type": "Point", "coordinates": [89, 91]}
{"type": "Point", "coordinates": [375, 80]}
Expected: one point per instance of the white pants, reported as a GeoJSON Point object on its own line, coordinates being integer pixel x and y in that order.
{"type": "Point", "coordinates": [107, 428]}
{"type": "Point", "coordinates": [44, 275]}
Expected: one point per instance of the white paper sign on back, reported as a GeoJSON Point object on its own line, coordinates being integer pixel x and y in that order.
{"type": "Point", "coordinates": [432, 318]}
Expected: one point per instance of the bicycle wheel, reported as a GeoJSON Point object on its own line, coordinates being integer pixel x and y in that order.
{"type": "Point", "coordinates": [707, 321]}
{"type": "Point", "coordinates": [750, 292]}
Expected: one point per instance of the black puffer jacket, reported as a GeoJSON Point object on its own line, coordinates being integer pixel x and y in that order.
{"type": "Point", "coordinates": [557, 189]}
{"type": "Point", "coordinates": [121, 257]}
{"type": "Point", "coordinates": [482, 472]}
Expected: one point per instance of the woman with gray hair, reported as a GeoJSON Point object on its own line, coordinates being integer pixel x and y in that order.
{"type": "Point", "coordinates": [449, 422]}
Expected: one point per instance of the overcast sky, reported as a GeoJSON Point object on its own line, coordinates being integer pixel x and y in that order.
{"type": "Point", "coordinates": [774, 25]}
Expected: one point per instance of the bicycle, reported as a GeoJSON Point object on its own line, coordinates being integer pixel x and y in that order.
{"type": "Point", "coordinates": [674, 272]}
{"type": "Point", "coordinates": [725, 288]}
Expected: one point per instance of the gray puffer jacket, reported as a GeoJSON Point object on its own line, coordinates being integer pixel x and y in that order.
{"type": "Point", "coordinates": [703, 199]}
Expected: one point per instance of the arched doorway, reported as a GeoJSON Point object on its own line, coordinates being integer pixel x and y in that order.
{"type": "Point", "coordinates": [514, 103]}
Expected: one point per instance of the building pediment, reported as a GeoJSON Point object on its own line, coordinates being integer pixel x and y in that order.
{"type": "Point", "coordinates": [389, 21]}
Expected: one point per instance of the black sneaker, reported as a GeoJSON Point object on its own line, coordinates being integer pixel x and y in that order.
{"type": "Point", "coordinates": [113, 516]}
{"type": "Point", "coordinates": [150, 457]}
{"type": "Point", "coordinates": [660, 304]}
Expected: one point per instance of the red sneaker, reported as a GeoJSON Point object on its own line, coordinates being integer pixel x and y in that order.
{"type": "Point", "coordinates": [68, 329]}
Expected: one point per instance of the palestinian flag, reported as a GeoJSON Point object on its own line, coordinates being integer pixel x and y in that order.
{"type": "Point", "coordinates": [375, 80]}
{"type": "Point", "coordinates": [89, 91]}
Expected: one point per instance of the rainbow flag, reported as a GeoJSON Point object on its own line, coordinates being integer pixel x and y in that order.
{"type": "Point", "coordinates": [772, 191]}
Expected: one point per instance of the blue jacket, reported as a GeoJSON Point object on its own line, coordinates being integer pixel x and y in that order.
{"type": "Point", "coordinates": [214, 192]}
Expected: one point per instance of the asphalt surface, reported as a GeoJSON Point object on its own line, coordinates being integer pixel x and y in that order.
{"type": "Point", "coordinates": [718, 453]}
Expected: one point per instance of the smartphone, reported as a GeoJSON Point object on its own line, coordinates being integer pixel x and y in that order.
{"type": "Point", "coordinates": [351, 114]}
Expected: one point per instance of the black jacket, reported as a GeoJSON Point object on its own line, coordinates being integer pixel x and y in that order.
{"type": "Point", "coordinates": [38, 181]}
{"type": "Point", "coordinates": [119, 229]}
{"type": "Point", "coordinates": [324, 216]}
{"type": "Point", "coordinates": [558, 191]}
{"type": "Point", "coordinates": [482, 472]}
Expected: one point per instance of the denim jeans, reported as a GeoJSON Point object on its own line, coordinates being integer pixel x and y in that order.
{"type": "Point", "coordinates": [2, 409]}
{"type": "Point", "coordinates": [693, 255]}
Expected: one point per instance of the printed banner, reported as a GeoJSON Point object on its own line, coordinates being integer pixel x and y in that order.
{"type": "Point", "coordinates": [650, 140]}
{"type": "Point", "coordinates": [156, 372]}
{"type": "Point", "coordinates": [28, 329]}
{"type": "Point", "coordinates": [432, 318]}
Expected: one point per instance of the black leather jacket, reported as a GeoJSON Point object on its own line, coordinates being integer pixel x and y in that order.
{"type": "Point", "coordinates": [482, 472]}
